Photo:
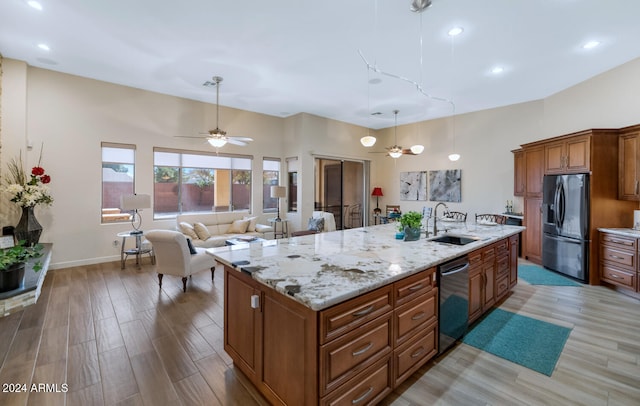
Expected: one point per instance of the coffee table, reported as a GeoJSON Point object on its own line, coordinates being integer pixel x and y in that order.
{"type": "Point", "coordinates": [243, 240]}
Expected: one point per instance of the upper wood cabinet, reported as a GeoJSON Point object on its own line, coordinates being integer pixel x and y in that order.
{"type": "Point", "coordinates": [534, 171]}
{"type": "Point", "coordinates": [629, 164]}
{"type": "Point", "coordinates": [570, 155]}
{"type": "Point", "coordinates": [518, 173]}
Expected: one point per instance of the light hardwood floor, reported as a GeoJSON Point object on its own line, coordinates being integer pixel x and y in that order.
{"type": "Point", "coordinates": [113, 337]}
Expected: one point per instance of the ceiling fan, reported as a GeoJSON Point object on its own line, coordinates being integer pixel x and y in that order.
{"type": "Point", "coordinates": [396, 151]}
{"type": "Point", "coordinates": [218, 138]}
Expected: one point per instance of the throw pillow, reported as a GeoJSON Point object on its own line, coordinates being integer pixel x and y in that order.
{"type": "Point", "coordinates": [188, 230]}
{"type": "Point", "coordinates": [238, 227]}
{"type": "Point", "coordinates": [192, 249]}
{"type": "Point", "coordinates": [252, 223]}
{"type": "Point", "coordinates": [202, 231]}
{"type": "Point", "coordinates": [316, 224]}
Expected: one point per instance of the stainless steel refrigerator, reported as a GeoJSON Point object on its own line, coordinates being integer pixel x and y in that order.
{"type": "Point", "coordinates": [565, 225]}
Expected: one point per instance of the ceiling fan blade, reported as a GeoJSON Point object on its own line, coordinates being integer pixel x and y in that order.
{"type": "Point", "coordinates": [407, 151]}
{"type": "Point", "coordinates": [236, 141]}
{"type": "Point", "coordinates": [191, 136]}
{"type": "Point", "coordinates": [241, 138]}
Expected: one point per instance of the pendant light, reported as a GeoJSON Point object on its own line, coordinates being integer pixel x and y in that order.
{"type": "Point", "coordinates": [453, 156]}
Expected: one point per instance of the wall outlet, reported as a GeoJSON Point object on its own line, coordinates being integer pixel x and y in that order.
{"type": "Point", "coordinates": [115, 243]}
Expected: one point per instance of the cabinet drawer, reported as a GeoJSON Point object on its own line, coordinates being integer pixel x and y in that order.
{"type": "Point", "coordinates": [408, 318]}
{"type": "Point", "coordinates": [502, 286]}
{"type": "Point", "coordinates": [620, 258]}
{"type": "Point", "coordinates": [618, 277]}
{"type": "Point", "coordinates": [368, 388]}
{"type": "Point", "coordinates": [502, 247]}
{"type": "Point", "coordinates": [502, 265]}
{"type": "Point", "coordinates": [346, 356]}
{"type": "Point", "coordinates": [619, 242]}
{"type": "Point", "coordinates": [411, 356]}
{"type": "Point", "coordinates": [413, 286]}
{"type": "Point", "coordinates": [344, 317]}
{"type": "Point", "coordinates": [475, 258]}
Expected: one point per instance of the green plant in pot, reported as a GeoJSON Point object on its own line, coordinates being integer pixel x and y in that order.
{"type": "Point", "coordinates": [12, 262]}
{"type": "Point", "coordinates": [410, 223]}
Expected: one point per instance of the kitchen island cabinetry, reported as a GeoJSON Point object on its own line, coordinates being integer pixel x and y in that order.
{"type": "Point", "coordinates": [326, 319]}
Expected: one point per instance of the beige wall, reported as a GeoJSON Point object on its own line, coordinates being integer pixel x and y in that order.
{"type": "Point", "coordinates": [72, 115]}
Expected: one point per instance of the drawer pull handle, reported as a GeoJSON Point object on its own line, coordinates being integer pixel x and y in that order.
{"type": "Point", "coordinates": [418, 352]}
{"type": "Point", "coordinates": [619, 242]}
{"type": "Point", "coordinates": [615, 276]}
{"type": "Point", "coordinates": [363, 396]}
{"type": "Point", "coordinates": [616, 257]}
{"type": "Point", "coordinates": [363, 350]}
{"type": "Point", "coordinates": [415, 287]}
{"type": "Point", "coordinates": [418, 316]}
{"type": "Point", "coordinates": [364, 311]}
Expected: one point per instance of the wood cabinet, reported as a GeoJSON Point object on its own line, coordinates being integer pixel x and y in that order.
{"type": "Point", "coordinates": [519, 175]}
{"type": "Point", "coordinates": [351, 353]}
{"type": "Point", "coordinates": [629, 164]}
{"type": "Point", "coordinates": [592, 151]}
{"type": "Point", "coordinates": [618, 261]}
{"type": "Point", "coordinates": [568, 155]}
{"type": "Point", "coordinates": [493, 272]}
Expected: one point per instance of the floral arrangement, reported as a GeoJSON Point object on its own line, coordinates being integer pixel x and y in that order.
{"type": "Point", "coordinates": [28, 192]}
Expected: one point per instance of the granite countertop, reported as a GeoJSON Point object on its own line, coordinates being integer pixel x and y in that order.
{"type": "Point", "coordinates": [321, 270]}
{"type": "Point", "coordinates": [627, 232]}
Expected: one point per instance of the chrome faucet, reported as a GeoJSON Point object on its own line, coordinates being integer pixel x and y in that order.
{"type": "Point", "coordinates": [435, 217]}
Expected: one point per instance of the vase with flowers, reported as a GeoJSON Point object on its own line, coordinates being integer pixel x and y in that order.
{"type": "Point", "coordinates": [28, 192]}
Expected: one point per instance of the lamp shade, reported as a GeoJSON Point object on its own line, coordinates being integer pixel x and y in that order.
{"type": "Point", "coordinates": [278, 191]}
{"type": "Point", "coordinates": [377, 192]}
{"type": "Point", "coordinates": [135, 202]}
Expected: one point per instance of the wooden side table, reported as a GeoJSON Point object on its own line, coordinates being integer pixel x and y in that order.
{"type": "Point", "coordinates": [138, 251]}
{"type": "Point", "coordinates": [284, 227]}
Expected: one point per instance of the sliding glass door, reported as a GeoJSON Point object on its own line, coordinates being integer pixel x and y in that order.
{"type": "Point", "coordinates": [340, 189]}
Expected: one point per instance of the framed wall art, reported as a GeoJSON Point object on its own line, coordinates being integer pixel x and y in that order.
{"type": "Point", "coordinates": [445, 185]}
{"type": "Point", "coordinates": [413, 185]}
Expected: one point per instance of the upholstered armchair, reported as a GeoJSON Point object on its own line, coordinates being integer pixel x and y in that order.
{"type": "Point", "coordinates": [173, 256]}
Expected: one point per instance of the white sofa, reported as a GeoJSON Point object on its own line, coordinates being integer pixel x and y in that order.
{"type": "Point", "coordinates": [219, 227]}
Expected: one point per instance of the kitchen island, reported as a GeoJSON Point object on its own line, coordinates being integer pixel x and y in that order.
{"type": "Point", "coordinates": [341, 316]}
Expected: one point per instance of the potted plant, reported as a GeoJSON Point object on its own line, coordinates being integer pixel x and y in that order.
{"type": "Point", "coordinates": [410, 223]}
{"type": "Point", "coordinates": [12, 262]}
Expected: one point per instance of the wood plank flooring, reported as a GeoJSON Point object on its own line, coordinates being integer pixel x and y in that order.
{"type": "Point", "coordinates": [112, 337]}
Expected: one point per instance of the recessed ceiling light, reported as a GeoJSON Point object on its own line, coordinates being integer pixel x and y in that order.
{"type": "Point", "coordinates": [44, 47]}
{"type": "Point", "coordinates": [497, 70]}
{"type": "Point", "coordinates": [455, 31]}
{"type": "Point", "coordinates": [591, 44]}
{"type": "Point", "coordinates": [35, 4]}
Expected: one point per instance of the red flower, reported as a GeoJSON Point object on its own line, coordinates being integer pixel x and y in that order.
{"type": "Point", "coordinates": [37, 171]}
{"type": "Point", "coordinates": [45, 179]}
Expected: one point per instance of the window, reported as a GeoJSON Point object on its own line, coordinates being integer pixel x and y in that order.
{"type": "Point", "coordinates": [270, 177]}
{"type": "Point", "coordinates": [192, 182]}
{"type": "Point", "coordinates": [118, 174]}
{"type": "Point", "coordinates": [292, 179]}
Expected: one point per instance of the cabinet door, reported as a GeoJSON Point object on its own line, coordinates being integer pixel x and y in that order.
{"type": "Point", "coordinates": [490, 274]}
{"type": "Point", "coordinates": [514, 241]}
{"type": "Point", "coordinates": [629, 167]}
{"type": "Point", "coordinates": [578, 154]}
{"type": "Point", "coordinates": [518, 173]}
{"type": "Point", "coordinates": [242, 343]}
{"type": "Point", "coordinates": [534, 169]}
{"type": "Point", "coordinates": [554, 157]}
{"type": "Point", "coordinates": [476, 283]}
{"type": "Point", "coordinates": [532, 243]}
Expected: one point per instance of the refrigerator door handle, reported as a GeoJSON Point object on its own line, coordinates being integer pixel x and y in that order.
{"type": "Point", "coordinates": [556, 206]}
{"type": "Point", "coordinates": [561, 209]}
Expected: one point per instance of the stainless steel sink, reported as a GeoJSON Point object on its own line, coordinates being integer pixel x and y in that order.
{"type": "Point", "coordinates": [455, 239]}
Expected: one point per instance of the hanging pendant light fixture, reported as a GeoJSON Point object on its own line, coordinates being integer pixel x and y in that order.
{"type": "Point", "coordinates": [453, 156]}
{"type": "Point", "coordinates": [368, 140]}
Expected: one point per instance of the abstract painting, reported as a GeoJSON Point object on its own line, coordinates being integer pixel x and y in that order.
{"type": "Point", "coordinates": [413, 185]}
{"type": "Point", "coordinates": [445, 185]}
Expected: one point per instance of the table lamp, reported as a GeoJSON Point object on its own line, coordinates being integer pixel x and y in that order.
{"type": "Point", "coordinates": [135, 202]}
{"type": "Point", "coordinates": [278, 192]}
{"type": "Point", "coordinates": [377, 192]}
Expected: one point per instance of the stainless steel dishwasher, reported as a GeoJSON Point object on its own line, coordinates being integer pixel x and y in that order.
{"type": "Point", "coordinates": [453, 316]}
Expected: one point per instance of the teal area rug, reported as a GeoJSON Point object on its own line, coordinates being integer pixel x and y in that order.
{"type": "Point", "coordinates": [537, 275]}
{"type": "Point", "coordinates": [532, 343]}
